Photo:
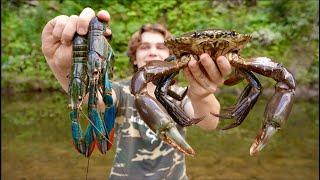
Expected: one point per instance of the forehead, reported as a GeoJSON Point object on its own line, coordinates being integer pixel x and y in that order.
{"type": "Point", "coordinates": [152, 37]}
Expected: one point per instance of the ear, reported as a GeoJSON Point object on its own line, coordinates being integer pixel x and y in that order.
{"type": "Point", "coordinates": [135, 62]}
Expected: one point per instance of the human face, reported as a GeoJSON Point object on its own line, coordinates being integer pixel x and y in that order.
{"type": "Point", "coordinates": [151, 48]}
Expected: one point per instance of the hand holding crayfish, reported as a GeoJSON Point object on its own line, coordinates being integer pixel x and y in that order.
{"type": "Point", "coordinates": [57, 38]}
{"type": "Point", "coordinates": [92, 63]}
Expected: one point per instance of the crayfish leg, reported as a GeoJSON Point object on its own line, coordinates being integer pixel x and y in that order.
{"type": "Point", "coordinates": [109, 120]}
{"type": "Point", "coordinates": [110, 109]}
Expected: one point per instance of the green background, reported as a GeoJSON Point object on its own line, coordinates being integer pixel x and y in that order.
{"type": "Point", "coordinates": [284, 30]}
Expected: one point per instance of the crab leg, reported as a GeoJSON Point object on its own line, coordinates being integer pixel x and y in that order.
{"type": "Point", "coordinates": [162, 91]}
{"type": "Point", "coordinates": [279, 106]}
{"type": "Point", "coordinates": [150, 110]}
{"type": "Point", "coordinates": [176, 96]}
{"type": "Point", "coordinates": [174, 111]}
{"type": "Point", "coordinates": [246, 101]}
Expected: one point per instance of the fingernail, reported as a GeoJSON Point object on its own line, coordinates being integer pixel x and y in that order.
{"type": "Point", "coordinates": [82, 31]}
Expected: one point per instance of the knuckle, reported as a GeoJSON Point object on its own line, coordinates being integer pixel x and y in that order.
{"type": "Point", "coordinates": [204, 56]}
{"type": "Point", "coordinates": [206, 62]}
{"type": "Point", "coordinates": [87, 9]}
{"type": "Point", "coordinates": [211, 88]}
{"type": "Point", "coordinates": [61, 22]}
{"type": "Point", "coordinates": [74, 17]}
{"type": "Point", "coordinates": [67, 35]}
{"type": "Point", "coordinates": [220, 81]}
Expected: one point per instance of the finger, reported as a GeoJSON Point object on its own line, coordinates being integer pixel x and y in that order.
{"type": "Point", "coordinates": [59, 24]}
{"type": "Point", "coordinates": [224, 65]}
{"type": "Point", "coordinates": [211, 68]}
{"type": "Point", "coordinates": [108, 33]}
{"type": "Point", "coordinates": [63, 57]}
{"type": "Point", "coordinates": [200, 76]}
{"type": "Point", "coordinates": [48, 28]}
{"type": "Point", "coordinates": [48, 42]}
{"type": "Point", "coordinates": [189, 77]}
{"type": "Point", "coordinates": [83, 21]}
{"type": "Point", "coordinates": [193, 84]}
{"type": "Point", "coordinates": [104, 16]}
{"type": "Point", "coordinates": [69, 30]}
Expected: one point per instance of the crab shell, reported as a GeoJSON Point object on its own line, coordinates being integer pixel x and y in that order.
{"type": "Point", "coordinates": [215, 42]}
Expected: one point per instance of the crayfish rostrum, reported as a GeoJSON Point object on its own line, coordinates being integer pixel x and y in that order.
{"type": "Point", "coordinates": [215, 43]}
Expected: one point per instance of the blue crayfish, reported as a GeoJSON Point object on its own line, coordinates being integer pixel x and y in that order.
{"type": "Point", "coordinates": [93, 60]}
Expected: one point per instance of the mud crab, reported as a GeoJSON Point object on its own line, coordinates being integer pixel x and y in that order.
{"type": "Point", "coordinates": [91, 68]}
{"type": "Point", "coordinates": [214, 42]}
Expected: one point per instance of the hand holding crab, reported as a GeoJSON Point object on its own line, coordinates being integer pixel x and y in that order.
{"type": "Point", "coordinates": [216, 43]}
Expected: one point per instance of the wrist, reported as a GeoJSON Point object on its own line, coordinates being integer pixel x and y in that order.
{"type": "Point", "coordinates": [198, 96]}
{"type": "Point", "coordinates": [204, 107]}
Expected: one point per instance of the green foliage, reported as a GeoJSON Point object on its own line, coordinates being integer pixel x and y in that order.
{"type": "Point", "coordinates": [281, 30]}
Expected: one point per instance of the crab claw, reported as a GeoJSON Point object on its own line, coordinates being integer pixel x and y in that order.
{"type": "Point", "coordinates": [276, 114]}
{"type": "Point", "coordinates": [263, 137]}
{"type": "Point", "coordinates": [157, 119]}
{"type": "Point", "coordinates": [174, 138]}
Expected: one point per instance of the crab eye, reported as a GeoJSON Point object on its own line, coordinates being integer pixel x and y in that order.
{"type": "Point", "coordinates": [195, 35]}
{"type": "Point", "coordinates": [236, 51]}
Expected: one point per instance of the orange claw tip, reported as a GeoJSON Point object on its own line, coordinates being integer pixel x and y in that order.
{"type": "Point", "coordinates": [111, 139]}
{"type": "Point", "coordinates": [262, 139]}
{"type": "Point", "coordinates": [191, 153]}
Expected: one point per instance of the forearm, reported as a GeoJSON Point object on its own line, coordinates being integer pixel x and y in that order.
{"type": "Point", "coordinates": [202, 107]}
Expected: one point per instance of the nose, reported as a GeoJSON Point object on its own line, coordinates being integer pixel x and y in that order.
{"type": "Point", "coordinates": [153, 51]}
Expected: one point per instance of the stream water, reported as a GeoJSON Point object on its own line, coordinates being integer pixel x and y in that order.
{"type": "Point", "coordinates": [36, 144]}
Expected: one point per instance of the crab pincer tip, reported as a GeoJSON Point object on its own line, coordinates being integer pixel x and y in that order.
{"type": "Point", "coordinates": [262, 139]}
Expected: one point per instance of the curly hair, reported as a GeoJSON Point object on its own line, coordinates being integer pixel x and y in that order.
{"type": "Point", "coordinates": [135, 40]}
